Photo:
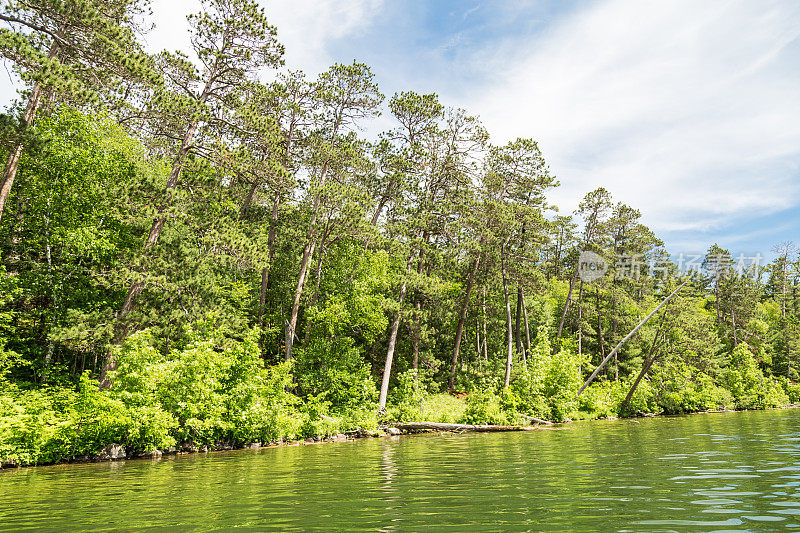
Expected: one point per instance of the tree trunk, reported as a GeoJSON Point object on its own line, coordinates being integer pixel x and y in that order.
{"type": "Point", "coordinates": [387, 368]}
{"type": "Point", "coordinates": [566, 303]}
{"type": "Point", "coordinates": [477, 337]}
{"type": "Point", "coordinates": [273, 230]}
{"type": "Point", "coordinates": [158, 223]}
{"type": "Point", "coordinates": [462, 319]}
{"type": "Point", "coordinates": [645, 368]}
{"type": "Point", "coordinates": [415, 334]}
{"type": "Point", "coordinates": [308, 252]}
{"type": "Point", "coordinates": [518, 324]}
{"type": "Point", "coordinates": [527, 327]}
{"type": "Point", "coordinates": [52, 289]}
{"type": "Point", "coordinates": [248, 200]}
{"type": "Point", "coordinates": [441, 426]}
{"type": "Point", "coordinates": [15, 153]}
{"type": "Point", "coordinates": [291, 325]}
{"type": "Point", "coordinates": [152, 239]}
{"type": "Point", "coordinates": [648, 362]}
{"type": "Point", "coordinates": [580, 321]}
{"type": "Point", "coordinates": [485, 336]}
{"type": "Point", "coordinates": [510, 333]}
{"type": "Point", "coordinates": [600, 339]}
{"type": "Point", "coordinates": [317, 280]}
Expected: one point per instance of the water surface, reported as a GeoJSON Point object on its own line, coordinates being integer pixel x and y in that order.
{"type": "Point", "coordinates": [713, 472]}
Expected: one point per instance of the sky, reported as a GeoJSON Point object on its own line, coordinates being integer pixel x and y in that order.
{"type": "Point", "coordinates": [688, 111]}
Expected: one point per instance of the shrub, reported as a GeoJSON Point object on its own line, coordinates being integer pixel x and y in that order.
{"type": "Point", "coordinates": [444, 408]}
{"type": "Point", "coordinates": [748, 385]}
{"type": "Point", "coordinates": [681, 388]}
{"type": "Point", "coordinates": [547, 388]}
{"type": "Point", "coordinates": [335, 367]}
{"type": "Point", "coordinates": [486, 407]}
{"type": "Point", "coordinates": [215, 391]}
{"type": "Point", "coordinates": [406, 398]}
{"type": "Point", "coordinates": [54, 424]}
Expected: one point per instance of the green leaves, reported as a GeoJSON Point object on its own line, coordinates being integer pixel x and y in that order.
{"type": "Point", "coordinates": [79, 49]}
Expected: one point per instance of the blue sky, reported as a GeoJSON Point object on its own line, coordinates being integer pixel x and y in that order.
{"type": "Point", "coordinates": [686, 110]}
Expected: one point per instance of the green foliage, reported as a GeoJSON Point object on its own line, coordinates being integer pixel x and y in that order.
{"type": "Point", "coordinates": [335, 370]}
{"type": "Point", "coordinates": [478, 376]}
{"type": "Point", "coordinates": [406, 398]}
{"type": "Point", "coordinates": [486, 407]}
{"type": "Point", "coordinates": [791, 388]}
{"type": "Point", "coordinates": [197, 191]}
{"type": "Point", "coordinates": [216, 391]}
{"type": "Point", "coordinates": [444, 408]}
{"type": "Point", "coordinates": [681, 388]}
{"type": "Point", "coordinates": [548, 387]}
{"type": "Point", "coordinates": [54, 424]}
{"type": "Point", "coordinates": [748, 385]}
{"type": "Point", "coordinates": [603, 400]}
{"type": "Point", "coordinates": [314, 418]}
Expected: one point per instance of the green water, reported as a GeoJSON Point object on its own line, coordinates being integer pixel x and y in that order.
{"type": "Point", "coordinates": [732, 472]}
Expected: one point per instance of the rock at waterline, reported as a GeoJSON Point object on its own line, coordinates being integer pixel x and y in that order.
{"type": "Point", "coordinates": [113, 452]}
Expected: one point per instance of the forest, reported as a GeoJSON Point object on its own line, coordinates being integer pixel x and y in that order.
{"type": "Point", "coordinates": [204, 250]}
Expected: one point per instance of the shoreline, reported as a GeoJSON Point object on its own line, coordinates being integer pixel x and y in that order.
{"type": "Point", "coordinates": [381, 432]}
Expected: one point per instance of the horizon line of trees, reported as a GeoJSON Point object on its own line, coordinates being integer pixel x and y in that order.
{"type": "Point", "coordinates": [155, 191]}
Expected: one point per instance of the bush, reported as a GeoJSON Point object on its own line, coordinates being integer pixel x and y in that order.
{"type": "Point", "coordinates": [681, 388]}
{"type": "Point", "coordinates": [215, 391]}
{"type": "Point", "coordinates": [406, 398]}
{"type": "Point", "coordinates": [55, 424]}
{"type": "Point", "coordinates": [791, 388]}
{"type": "Point", "coordinates": [602, 399]}
{"type": "Point", "coordinates": [486, 407]}
{"type": "Point", "coordinates": [748, 385]}
{"type": "Point", "coordinates": [336, 368]}
{"type": "Point", "coordinates": [444, 408]}
{"type": "Point", "coordinates": [547, 388]}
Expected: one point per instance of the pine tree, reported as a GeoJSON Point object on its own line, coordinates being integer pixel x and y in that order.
{"type": "Point", "coordinates": [232, 41]}
{"type": "Point", "coordinates": [78, 50]}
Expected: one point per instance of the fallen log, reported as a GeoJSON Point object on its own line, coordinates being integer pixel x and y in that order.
{"type": "Point", "coordinates": [532, 420]}
{"type": "Point", "coordinates": [439, 426]}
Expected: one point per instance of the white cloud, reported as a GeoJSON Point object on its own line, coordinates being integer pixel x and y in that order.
{"type": "Point", "coordinates": [171, 30]}
{"type": "Point", "coordinates": [309, 28]}
{"type": "Point", "coordinates": [688, 111]}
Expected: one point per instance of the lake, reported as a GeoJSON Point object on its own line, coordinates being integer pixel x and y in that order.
{"type": "Point", "coordinates": [711, 472]}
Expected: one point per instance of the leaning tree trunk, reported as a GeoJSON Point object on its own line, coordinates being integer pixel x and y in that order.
{"type": "Point", "coordinates": [648, 363]}
{"type": "Point", "coordinates": [15, 153]}
{"type": "Point", "coordinates": [152, 239]}
{"type": "Point", "coordinates": [308, 252]}
{"type": "Point", "coordinates": [462, 319]}
{"type": "Point", "coordinates": [317, 281]}
{"type": "Point", "coordinates": [416, 333]}
{"type": "Point", "coordinates": [387, 367]}
{"type": "Point", "coordinates": [566, 304]}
